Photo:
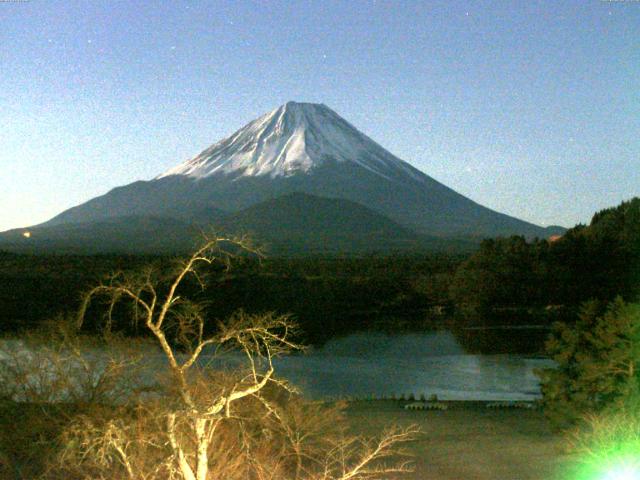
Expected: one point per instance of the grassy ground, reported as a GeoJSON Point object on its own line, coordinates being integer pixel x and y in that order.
{"type": "Point", "coordinates": [466, 442]}
{"type": "Point", "coordinates": [471, 442]}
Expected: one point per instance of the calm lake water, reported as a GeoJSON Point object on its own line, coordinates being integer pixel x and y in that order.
{"type": "Point", "coordinates": [362, 365]}
{"type": "Point", "coordinates": [383, 365]}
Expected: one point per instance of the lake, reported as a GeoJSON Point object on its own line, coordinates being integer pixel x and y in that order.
{"type": "Point", "coordinates": [384, 365]}
{"type": "Point", "coordinates": [380, 365]}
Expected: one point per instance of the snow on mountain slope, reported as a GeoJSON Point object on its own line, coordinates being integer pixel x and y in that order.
{"type": "Point", "coordinates": [294, 138]}
{"type": "Point", "coordinates": [307, 148]}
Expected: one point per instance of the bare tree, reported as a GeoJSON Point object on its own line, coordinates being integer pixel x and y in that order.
{"type": "Point", "coordinates": [193, 438]}
{"type": "Point", "coordinates": [47, 378]}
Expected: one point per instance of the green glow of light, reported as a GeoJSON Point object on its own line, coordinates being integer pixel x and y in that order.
{"type": "Point", "coordinates": [627, 471]}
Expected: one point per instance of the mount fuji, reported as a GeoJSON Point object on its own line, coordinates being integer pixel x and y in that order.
{"type": "Point", "coordinates": [299, 151]}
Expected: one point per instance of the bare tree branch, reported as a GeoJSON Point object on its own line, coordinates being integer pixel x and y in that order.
{"type": "Point", "coordinates": [207, 412]}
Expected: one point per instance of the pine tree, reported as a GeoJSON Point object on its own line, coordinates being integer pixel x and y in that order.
{"type": "Point", "coordinates": [598, 361]}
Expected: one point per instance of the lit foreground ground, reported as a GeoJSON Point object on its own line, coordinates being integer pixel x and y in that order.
{"type": "Point", "coordinates": [463, 443]}
{"type": "Point", "coordinates": [472, 442]}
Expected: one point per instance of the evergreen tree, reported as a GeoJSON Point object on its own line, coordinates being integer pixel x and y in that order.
{"type": "Point", "coordinates": [598, 361]}
{"type": "Point", "coordinates": [505, 272]}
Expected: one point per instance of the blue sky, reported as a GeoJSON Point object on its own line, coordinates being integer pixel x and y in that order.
{"type": "Point", "coordinates": [530, 108]}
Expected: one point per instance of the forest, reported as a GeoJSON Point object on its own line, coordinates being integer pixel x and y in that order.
{"type": "Point", "coordinates": [579, 288]}
{"type": "Point", "coordinates": [507, 281]}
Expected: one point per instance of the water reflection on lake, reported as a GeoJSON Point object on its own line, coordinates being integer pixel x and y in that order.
{"type": "Point", "coordinates": [373, 364]}
{"type": "Point", "coordinates": [379, 364]}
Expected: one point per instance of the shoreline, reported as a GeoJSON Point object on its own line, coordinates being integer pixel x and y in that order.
{"type": "Point", "coordinates": [470, 441]}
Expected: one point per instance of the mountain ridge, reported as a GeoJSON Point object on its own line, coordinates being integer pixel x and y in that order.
{"type": "Point", "coordinates": [309, 148]}
{"type": "Point", "coordinates": [294, 224]}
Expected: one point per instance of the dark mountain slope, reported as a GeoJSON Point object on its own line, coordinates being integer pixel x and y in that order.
{"type": "Point", "coordinates": [129, 234]}
{"type": "Point", "coordinates": [299, 222]}
{"type": "Point", "coordinates": [308, 148]}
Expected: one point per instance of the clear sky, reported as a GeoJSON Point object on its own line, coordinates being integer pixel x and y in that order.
{"type": "Point", "coordinates": [530, 108]}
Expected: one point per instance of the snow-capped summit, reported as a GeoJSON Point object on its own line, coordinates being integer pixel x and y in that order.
{"type": "Point", "coordinates": [299, 148]}
{"type": "Point", "coordinates": [293, 138]}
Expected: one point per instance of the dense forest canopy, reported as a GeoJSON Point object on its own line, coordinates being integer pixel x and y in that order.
{"type": "Point", "coordinates": [598, 261]}
{"type": "Point", "coordinates": [326, 295]}
{"type": "Point", "coordinates": [508, 280]}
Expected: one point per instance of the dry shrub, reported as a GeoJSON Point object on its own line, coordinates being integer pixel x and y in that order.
{"type": "Point", "coordinates": [58, 365]}
{"type": "Point", "coordinates": [196, 423]}
{"type": "Point", "coordinates": [301, 440]}
{"type": "Point", "coordinates": [603, 440]}
{"type": "Point", "coordinates": [47, 379]}
{"type": "Point", "coordinates": [273, 435]}
{"type": "Point", "coordinates": [278, 436]}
